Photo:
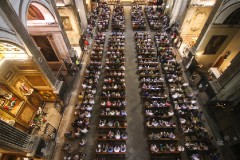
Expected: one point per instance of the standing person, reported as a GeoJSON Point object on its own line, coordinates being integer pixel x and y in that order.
{"type": "Point", "coordinates": [80, 98]}
{"type": "Point", "coordinates": [91, 34]}
{"type": "Point", "coordinates": [77, 62]}
{"type": "Point", "coordinates": [86, 43]}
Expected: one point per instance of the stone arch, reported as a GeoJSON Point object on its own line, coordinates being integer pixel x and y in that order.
{"type": "Point", "coordinates": [37, 7]}
{"type": "Point", "coordinates": [38, 14]}
{"type": "Point", "coordinates": [226, 11]}
{"type": "Point", "coordinates": [11, 50]}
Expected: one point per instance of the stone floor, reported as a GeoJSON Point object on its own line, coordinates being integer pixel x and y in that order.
{"type": "Point", "coordinates": [136, 143]}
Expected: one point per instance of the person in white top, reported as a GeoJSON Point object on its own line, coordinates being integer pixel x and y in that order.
{"type": "Point", "coordinates": [117, 149]}
{"type": "Point", "coordinates": [117, 135]}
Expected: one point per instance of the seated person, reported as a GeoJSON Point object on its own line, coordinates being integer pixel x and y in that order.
{"type": "Point", "coordinates": [117, 135]}
{"type": "Point", "coordinates": [123, 148]}
{"type": "Point", "coordinates": [102, 123]}
{"type": "Point", "coordinates": [116, 124]}
{"type": "Point", "coordinates": [110, 123]}
{"type": "Point", "coordinates": [154, 148]}
{"type": "Point", "coordinates": [110, 149]}
{"type": "Point", "coordinates": [170, 113]}
{"type": "Point", "coordinates": [84, 130]}
{"type": "Point", "coordinates": [83, 142]}
{"type": "Point", "coordinates": [87, 114]}
{"type": "Point", "coordinates": [123, 113]}
{"type": "Point", "coordinates": [103, 103]}
{"type": "Point", "coordinates": [110, 135]}
{"type": "Point", "coordinates": [117, 149]}
{"type": "Point", "coordinates": [89, 107]}
{"type": "Point", "coordinates": [99, 148]}
{"type": "Point", "coordinates": [109, 103]}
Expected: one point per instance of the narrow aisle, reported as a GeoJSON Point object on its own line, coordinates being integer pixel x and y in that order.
{"type": "Point", "coordinates": [67, 118]}
{"type": "Point", "coordinates": [136, 143]}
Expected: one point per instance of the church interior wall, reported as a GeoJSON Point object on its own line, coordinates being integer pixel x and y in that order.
{"type": "Point", "coordinates": [193, 23]}
{"type": "Point", "coordinates": [234, 49]}
{"type": "Point", "coordinates": [82, 13]}
{"type": "Point", "coordinates": [70, 24]}
{"type": "Point", "coordinates": [231, 91]}
{"type": "Point", "coordinates": [88, 4]}
{"type": "Point", "coordinates": [208, 60]}
{"type": "Point", "coordinates": [6, 31]}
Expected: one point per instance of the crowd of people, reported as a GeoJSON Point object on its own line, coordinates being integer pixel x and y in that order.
{"type": "Point", "coordinates": [92, 20]}
{"type": "Point", "coordinates": [118, 18]}
{"type": "Point", "coordinates": [197, 141]}
{"type": "Point", "coordinates": [111, 141]}
{"type": "Point", "coordinates": [158, 110]}
{"type": "Point", "coordinates": [154, 17]}
{"type": "Point", "coordinates": [86, 98]}
{"type": "Point", "coordinates": [103, 17]}
{"type": "Point", "coordinates": [166, 97]}
{"type": "Point", "coordinates": [138, 19]}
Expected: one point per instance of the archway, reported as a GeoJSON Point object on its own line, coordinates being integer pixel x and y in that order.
{"type": "Point", "coordinates": [233, 18]}
{"type": "Point", "coordinates": [227, 12]}
{"type": "Point", "coordinates": [10, 51]}
{"type": "Point", "coordinates": [39, 15]}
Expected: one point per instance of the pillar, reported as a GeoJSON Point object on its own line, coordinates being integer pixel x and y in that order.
{"type": "Point", "coordinates": [82, 11]}
{"type": "Point", "coordinates": [175, 11]}
{"type": "Point", "coordinates": [178, 10]}
{"type": "Point", "coordinates": [64, 34]}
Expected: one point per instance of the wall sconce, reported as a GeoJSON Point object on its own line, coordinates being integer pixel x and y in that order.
{"type": "Point", "coordinates": [225, 56]}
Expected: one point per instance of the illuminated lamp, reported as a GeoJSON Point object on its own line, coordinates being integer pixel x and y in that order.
{"type": "Point", "coordinates": [15, 56]}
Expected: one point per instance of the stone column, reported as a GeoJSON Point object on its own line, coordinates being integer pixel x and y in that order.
{"type": "Point", "coordinates": [168, 6]}
{"type": "Point", "coordinates": [28, 41]}
{"type": "Point", "coordinates": [64, 34]}
{"type": "Point", "coordinates": [175, 11]}
{"type": "Point", "coordinates": [178, 10]}
{"type": "Point", "coordinates": [80, 4]}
